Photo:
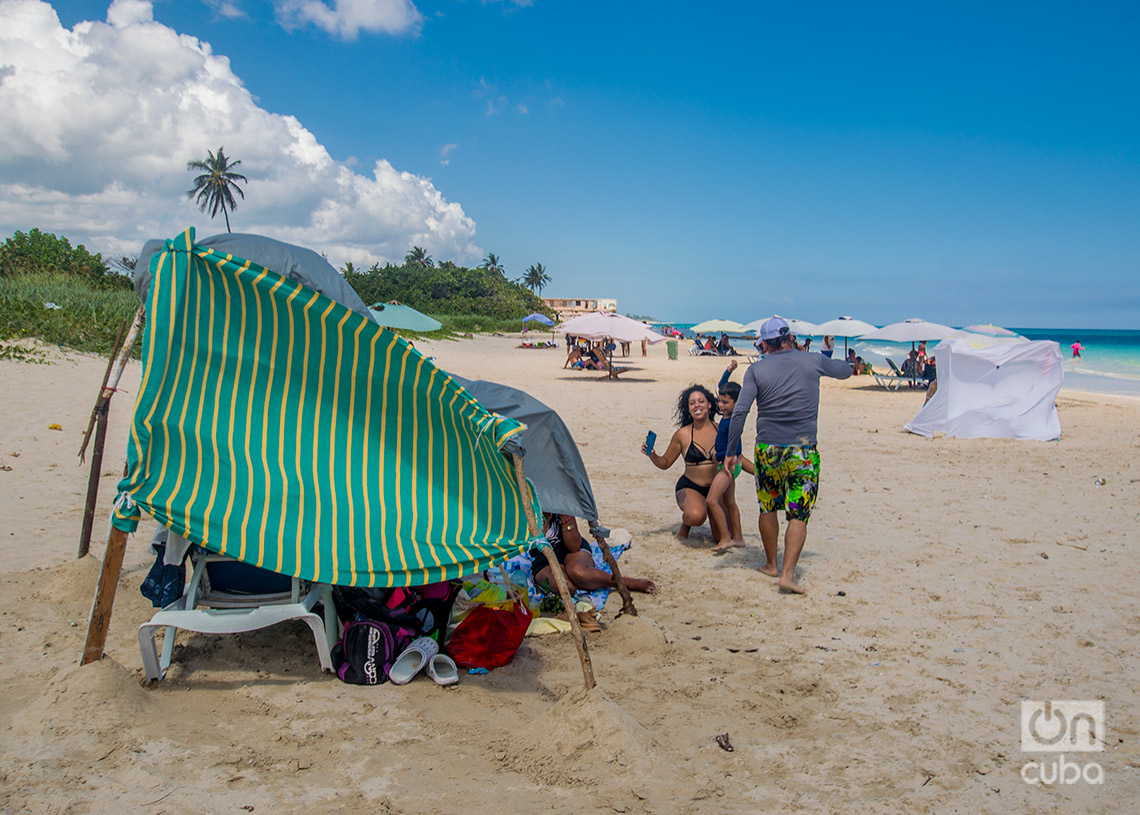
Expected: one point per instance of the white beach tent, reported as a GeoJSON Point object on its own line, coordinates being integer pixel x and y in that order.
{"type": "Point", "coordinates": [1006, 390]}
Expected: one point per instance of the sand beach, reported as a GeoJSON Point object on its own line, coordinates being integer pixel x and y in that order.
{"type": "Point", "coordinates": [948, 581]}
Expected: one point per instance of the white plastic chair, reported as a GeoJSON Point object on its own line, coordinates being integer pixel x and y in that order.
{"type": "Point", "coordinates": [207, 610]}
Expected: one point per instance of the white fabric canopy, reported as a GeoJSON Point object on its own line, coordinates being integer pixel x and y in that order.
{"type": "Point", "coordinates": [718, 326]}
{"type": "Point", "coordinates": [600, 325]}
{"type": "Point", "coordinates": [1003, 392]}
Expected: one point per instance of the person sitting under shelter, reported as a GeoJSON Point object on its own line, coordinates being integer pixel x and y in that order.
{"type": "Point", "coordinates": [577, 560]}
{"type": "Point", "coordinates": [858, 366]}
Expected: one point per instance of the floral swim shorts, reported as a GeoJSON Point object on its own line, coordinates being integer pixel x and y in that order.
{"type": "Point", "coordinates": [787, 478]}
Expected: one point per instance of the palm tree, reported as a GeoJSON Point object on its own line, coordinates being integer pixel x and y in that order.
{"type": "Point", "coordinates": [216, 186]}
{"type": "Point", "coordinates": [536, 278]}
{"type": "Point", "coordinates": [491, 263]}
{"type": "Point", "coordinates": [418, 257]}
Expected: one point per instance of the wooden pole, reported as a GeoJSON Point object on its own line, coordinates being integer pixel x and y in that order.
{"type": "Point", "coordinates": [100, 619]}
{"type": "Point", "coordinates": [99, 418]}
{"type": "Point", "coordinates": [627, 606]}
{"type": "Point", "coordinates": [559, 577]}
{"type": "Point", "coordinates": [93, 478]}
{"type": "Point", "coordinates": [106, 375]}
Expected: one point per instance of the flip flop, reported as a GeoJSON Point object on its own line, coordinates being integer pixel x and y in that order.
{"type": "Point", "coordinates": [412, 660]}
{"type": "Point", "coordinates": [442, 669]}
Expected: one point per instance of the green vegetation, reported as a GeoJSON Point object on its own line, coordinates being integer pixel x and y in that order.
{"type": "Point", "coordinates": [59, 294]}
{"type": "Point", "coordinates": [216, 185]}
{"type": "Point", "coordinates": [536, 278]}
{"type": "Point", "coordinates": [462, 299]}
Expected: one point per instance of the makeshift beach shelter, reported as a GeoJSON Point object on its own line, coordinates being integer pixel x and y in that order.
{"type": "Point", "coordinates": [276, 426]}
{"type": "Point", "coordinates": [1006, 390]}
{"type": "Point", "coordinates": [279, 428]}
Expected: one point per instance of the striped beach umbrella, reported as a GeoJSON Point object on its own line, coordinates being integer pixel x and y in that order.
{"type": "Point", "coordinates": [278, 427]}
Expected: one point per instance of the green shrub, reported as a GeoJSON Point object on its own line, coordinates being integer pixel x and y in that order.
{"type": "Point", "coordinates": [40, 253]}
{"type": "Point", "coordinates": [86, 316]}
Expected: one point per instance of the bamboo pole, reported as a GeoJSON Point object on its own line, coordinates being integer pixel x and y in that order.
{"type": "Point", "coordinates": [99, 417]}
{"type": "Point", "coordinates": [104, 600]}
{"type": "Point", "coordinates": [559, 577]}
{"type": "Point", "coordinates": [627, 606]}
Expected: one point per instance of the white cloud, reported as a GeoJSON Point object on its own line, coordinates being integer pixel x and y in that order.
{"type": "Point", "coordinates": [226, 9]}
{"type": "Point", "coordinates": [445, 153]}
{"type": "Point", "coordinates": [522, 108]}
{"type": "Point", "coordinates": [100, 120]}
{"type": "Point", "coordinates": [347, 18]}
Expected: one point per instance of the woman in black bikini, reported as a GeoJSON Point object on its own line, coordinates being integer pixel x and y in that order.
{"type": "Point", "coordinates": [696, 440]}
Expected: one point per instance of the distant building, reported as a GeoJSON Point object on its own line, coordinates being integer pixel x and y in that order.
{"type": "Point", "coordinates": [567, 307]}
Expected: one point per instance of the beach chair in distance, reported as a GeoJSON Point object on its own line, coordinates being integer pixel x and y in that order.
{"type": "Point", "coordinates": [226, 596]}
{"type": "Point", "coordinates": [888, 381]}
{"type": "Point", "coordinates": [914, 381]}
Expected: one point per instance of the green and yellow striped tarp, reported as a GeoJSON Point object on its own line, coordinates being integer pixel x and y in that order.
{"type": "Point", "coordinates": [278, 427]}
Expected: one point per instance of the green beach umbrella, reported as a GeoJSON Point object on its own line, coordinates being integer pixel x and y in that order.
{"type": "Point", "coordinates": [406, 318]}
{"type": "Point", "coordinates": [278, 427]}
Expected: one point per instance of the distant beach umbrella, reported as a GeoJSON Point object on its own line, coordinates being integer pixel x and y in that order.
{"type": "Point", "coordinates": [801, 328]}
{"type": "Point", "coordinates": [844, 327]}
{"type": "Point", "coordinates": [538, 318]}
{"type": "Point", "coordinates": [720, 326]}
{"type": "Point", "coordinates": [601, 325]}
{"type": "Point", "coordinates": [913, 330]}
{"type": "Point", "coordinates": [397, 315]}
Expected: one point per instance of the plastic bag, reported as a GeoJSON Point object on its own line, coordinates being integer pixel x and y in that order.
{"type": "Point", "coordinates": [487, 626]}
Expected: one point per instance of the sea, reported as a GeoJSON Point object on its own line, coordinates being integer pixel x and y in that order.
{"type": "Point", "coordinates": [1109, 362]}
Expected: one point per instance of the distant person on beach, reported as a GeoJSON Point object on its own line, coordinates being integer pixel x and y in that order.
{"type": "Point", "coordinates": [695, 440]}
{"type": "Point", "coordinates": [828, 346]}
{"type": "Point", "coordinates": [576, 559]}
{"type": "Point", "coordinates": [807, 344]}
{"type": "Point", "coordinates": [1077, 348]}
{"type": "Point", "coordinates": [858, 366]}
{"type": "Point", "coordinates": [785, 387]}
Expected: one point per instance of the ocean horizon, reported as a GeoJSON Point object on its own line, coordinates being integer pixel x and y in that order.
{"type": "Point", "coordinates": [1109, 361]}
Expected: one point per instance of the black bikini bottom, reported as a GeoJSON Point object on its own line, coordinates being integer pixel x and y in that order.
{"type": "Point", "coordinates": [683, 483]}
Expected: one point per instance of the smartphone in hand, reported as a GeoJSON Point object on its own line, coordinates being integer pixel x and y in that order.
{"type": "Point", "coordinates": [650, 440]}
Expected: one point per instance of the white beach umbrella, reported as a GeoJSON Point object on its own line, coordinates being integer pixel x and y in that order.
{"type": "Point", "coordinates": [912, 330]}
{"type": "Point", "coordinates": [801, 328]}
{"type": "Point", "coordinates": [600, 325]}
{"type": "Point", "coordinates": [719, 326]}
{"type": "Point", "coordinates": [983, 336]}
{"type": "Point", "coordinates": [844, 327]}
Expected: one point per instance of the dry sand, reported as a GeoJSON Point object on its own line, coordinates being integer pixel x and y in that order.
{"type": "Point", "coordinates": [949, 579]}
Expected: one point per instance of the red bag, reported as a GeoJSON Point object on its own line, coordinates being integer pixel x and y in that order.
{"type": "Point", "coordinates": [489, 637]}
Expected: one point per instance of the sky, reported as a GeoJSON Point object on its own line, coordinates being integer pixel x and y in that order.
{"type": "Point", "coordinates": [964, 163]}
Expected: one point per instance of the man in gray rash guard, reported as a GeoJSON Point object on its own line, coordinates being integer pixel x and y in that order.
{"type": "Point", "coordinates": [785, 386]}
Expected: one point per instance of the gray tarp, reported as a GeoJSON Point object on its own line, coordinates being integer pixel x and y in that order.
{"type": "Point", "coordinates": [301, 265]}
{"type": "Point", "coordinates": [552, 462]}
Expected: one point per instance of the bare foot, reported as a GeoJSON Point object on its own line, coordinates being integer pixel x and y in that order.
{"type": "Point", "coordinates": [724, 546]}
{"type": "Point", "coordinates": [770, 570]}
{"type": "Point", "coordinates": [683, 533]}
{"type": "Point", "coordinates": [640, 584]}
{"type": "Point", "coordinates": [790, 586]}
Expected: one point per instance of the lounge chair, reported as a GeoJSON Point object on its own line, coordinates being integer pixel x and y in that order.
{"type": "Point", "coordinates": [226, 596]}
{"type": "Point", "coordinates": [889, 381]}
{"type": "Point", "coordinates": [914, 381]}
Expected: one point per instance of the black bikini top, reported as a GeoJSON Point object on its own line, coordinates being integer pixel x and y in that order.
{"type": "Point", "coordinates": [696, 454]}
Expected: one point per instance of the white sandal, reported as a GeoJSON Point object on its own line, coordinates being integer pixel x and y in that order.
{"type": "Point", "coordinates": [442, 669]}
{"type": "Point", "coordinates": [412, 661]}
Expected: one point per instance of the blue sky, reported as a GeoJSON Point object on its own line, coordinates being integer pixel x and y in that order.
{"type": "Point", "coordinates": [959, 163]}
